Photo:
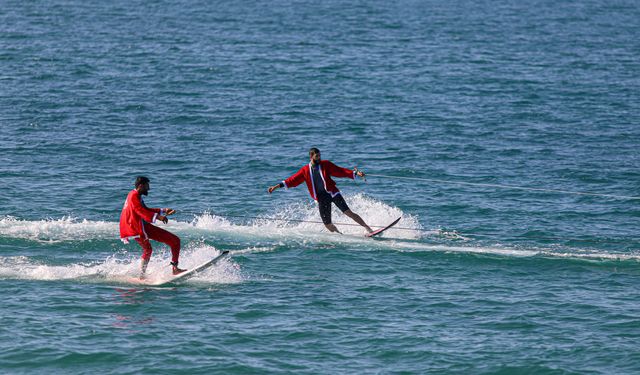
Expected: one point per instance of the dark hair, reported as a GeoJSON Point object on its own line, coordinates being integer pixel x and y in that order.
{"type": "Point", "coordinates": [141, 180]}
{"type": "Point", "coordinates": [314, 151]}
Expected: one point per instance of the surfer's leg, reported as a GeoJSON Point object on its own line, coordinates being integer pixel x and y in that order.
{"type": "Point", "coordinates": [342, 205]}
{"type": "Point", "coordinates": [146, 254]}
{"type": "Point", "coordinates": [161, 235]}
{"type": "Point", "coordinates": [358, 220]}
{"type": "Point", "coordinates": [324, 205]}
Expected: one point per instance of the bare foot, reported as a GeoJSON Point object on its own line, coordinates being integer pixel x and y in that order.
{"type": "Point", "coordinates": [177, 271]}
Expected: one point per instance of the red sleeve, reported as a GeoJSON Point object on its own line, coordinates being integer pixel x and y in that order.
{"type": "Point", "coordinates": [149, 215]}
{"type": "Point", "coordinates": [156, 210]}
{"type": "Point", "coordinates": [336, 171]}
{"type": "Point", "coordinates": [296, 179]}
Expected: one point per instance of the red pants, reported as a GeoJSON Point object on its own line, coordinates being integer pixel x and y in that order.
{"type": "Point", "coordinates": [160, 235]}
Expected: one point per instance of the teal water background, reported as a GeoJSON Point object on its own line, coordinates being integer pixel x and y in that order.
{"type": "Point", "coordinates": [215, 101]}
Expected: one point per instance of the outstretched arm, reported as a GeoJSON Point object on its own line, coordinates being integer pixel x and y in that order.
{"type": "Point", "coordinates": [274, 187]}
{"type": "Point", "coordinates": [290, 182]}
{"type": "Point", "coordinates": [337, 171]}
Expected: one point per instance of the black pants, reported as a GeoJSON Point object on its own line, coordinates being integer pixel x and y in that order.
{"type": "Point", "coordinates": [324, 205]}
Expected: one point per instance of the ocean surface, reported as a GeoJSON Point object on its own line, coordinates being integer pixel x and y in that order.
{"type": "Point", "coordinates": [445, 104]}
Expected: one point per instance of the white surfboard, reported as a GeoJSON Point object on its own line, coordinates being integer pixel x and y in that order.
{"type": "Point", "coordinates": [189, 273]}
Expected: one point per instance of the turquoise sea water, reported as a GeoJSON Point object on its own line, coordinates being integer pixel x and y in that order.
{"type": "Point", "coordinates": [216, 101]}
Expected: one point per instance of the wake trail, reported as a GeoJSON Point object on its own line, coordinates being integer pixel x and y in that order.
{"type": "Point", "coordinates": [267, 231]}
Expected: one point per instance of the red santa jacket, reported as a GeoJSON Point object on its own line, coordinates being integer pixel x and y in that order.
{"type": "Point", "coordinates": [327, 170]}
{"type": "Point", "coordinates": [133, 214]}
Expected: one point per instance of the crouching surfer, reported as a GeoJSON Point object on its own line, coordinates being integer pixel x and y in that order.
{"type": "Point", "coordinates": [135, 223]}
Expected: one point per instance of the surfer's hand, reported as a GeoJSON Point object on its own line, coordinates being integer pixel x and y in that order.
{"type": "Point", "coordinates": [163, 219]}
{"type": "Point", "coordinates": [272, 188]}
{"type": "Point", "coordinates": [359, 173]}
{"type": "Point", "coordinates": [169, 211]}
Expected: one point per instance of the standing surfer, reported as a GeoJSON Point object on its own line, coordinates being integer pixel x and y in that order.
{"type": "Point", "coordinates": [135, 223]}
{"type": "Point", "coordinates": [317, 174]}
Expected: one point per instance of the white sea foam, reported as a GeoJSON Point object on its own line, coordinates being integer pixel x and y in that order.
{"type": "Point", "coordinates": [305, 217]}
{"type": "Point", "coordinates": [123, 268]}
{"type": "Point", "coordinates": [299, 216]}
{"type": "Point", "coordinates": [56, 230]}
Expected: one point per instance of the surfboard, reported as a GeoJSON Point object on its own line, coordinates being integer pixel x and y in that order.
{"type": "Point", "coordinates": [189, 273]}
{"type": "Point", "coordinates": [377, 232]}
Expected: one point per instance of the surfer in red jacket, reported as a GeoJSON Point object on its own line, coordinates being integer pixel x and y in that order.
{"type": "Point", "coordinates": [317, 174]}
{"type": "Point", "coordinates": [135, 223]}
